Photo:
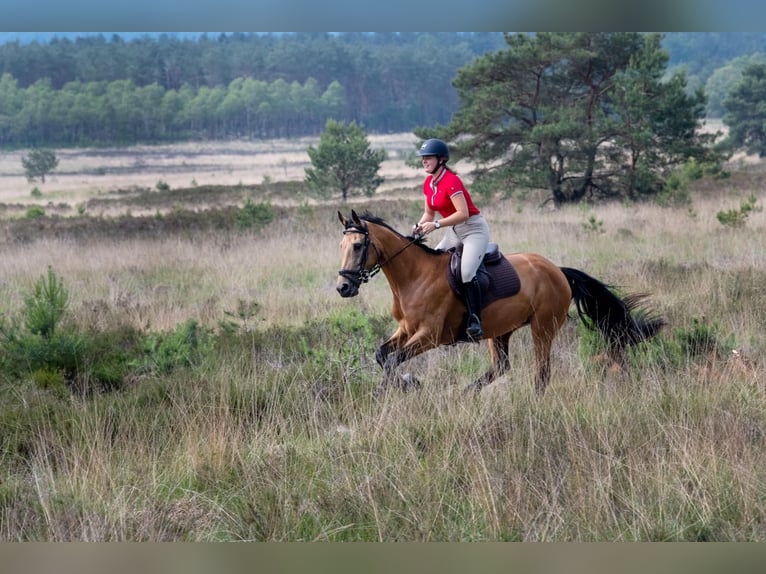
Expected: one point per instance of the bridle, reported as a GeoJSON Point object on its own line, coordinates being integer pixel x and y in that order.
{"type": "Point", "coordinates": [363, 275]}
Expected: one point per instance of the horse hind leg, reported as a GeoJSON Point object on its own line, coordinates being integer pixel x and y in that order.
{"type": "Point", "coordinates": [500, 363]}
{"type": "Point", "coordinates": [543, 334]}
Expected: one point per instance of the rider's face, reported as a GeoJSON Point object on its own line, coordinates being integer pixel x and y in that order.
{"type": "Point", "coordinates": [430, 162]}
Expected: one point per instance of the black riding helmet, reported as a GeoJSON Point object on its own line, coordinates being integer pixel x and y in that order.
{"type": "Point", "coordinates": [435, 147]}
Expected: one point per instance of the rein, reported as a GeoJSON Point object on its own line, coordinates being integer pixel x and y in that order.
{"type": "Point", "coordinates": [363, 275]}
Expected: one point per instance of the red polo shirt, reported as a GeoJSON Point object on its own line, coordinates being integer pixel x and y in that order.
{"type": "Point", "coordinates": [447, 185]}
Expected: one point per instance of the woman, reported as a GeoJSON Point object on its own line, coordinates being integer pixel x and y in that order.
{"type": "Point", "coordinates": [446, 195]}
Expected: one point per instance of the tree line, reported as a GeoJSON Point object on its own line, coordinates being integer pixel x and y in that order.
{"type": "Point", "coordinates": [120, 112]}
{"type": "Point", "coordinates": [98, 90]}
{"type": "Point", "coordinates": [139, 88]}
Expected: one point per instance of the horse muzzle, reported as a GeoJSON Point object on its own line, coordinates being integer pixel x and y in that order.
{"type": "Point", "coordinates": [346, 288]}
{"type": "Point", "coordinates": [349, 282]}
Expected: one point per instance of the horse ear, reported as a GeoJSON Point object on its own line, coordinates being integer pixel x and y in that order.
{"type": "Point", "coordinates": [355, 217]}
{"type": "Point", "coordinates": [343, 220]}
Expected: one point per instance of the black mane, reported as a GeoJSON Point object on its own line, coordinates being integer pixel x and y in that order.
{"type": "Point", "coordinates": [419, 241]}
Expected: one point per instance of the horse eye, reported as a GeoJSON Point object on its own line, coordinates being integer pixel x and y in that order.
{"type": "Point", "coordinates": [357, 246]}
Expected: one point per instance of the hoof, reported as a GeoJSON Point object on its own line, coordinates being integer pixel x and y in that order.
{"type": "Point", "coordinates": [472, 389]}
{"type": "Point", "coordinates": [407, 383]}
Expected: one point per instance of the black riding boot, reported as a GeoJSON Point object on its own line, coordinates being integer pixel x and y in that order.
{"type": "Point", "coordinates": [472, 292]}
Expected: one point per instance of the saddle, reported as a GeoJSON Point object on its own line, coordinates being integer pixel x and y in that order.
{"type": "Point", "coordinates": [497, 277]}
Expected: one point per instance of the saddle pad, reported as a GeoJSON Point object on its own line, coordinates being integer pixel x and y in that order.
{"type": "Point", "coordinates": [498, 281]}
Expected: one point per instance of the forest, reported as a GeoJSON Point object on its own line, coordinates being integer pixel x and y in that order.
{"type": "Point", "coordinates": [95, 90]}
{"type": "Point", "coordinates": [71, 90]}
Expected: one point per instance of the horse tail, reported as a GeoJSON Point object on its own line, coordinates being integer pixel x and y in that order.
{"type": "Point", "coordinates": [623, 321]}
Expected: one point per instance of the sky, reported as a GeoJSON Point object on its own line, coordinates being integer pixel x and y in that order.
{"type": "Point", "coordinates": [383, 15]}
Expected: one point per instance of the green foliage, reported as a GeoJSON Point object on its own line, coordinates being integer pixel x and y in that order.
{"type": "Point", "coordinates": [47, 305]}
{"type": "Point", "coordinates": [190, 89]}
{"type": "Point", "coordinates": [240, 320]}
{"type": "Point", "coordinates": [590, 342]}
{"type": "Point", "coordinates": [61, 353]}
{"type": "Point", "coordinates": [184, 346]}
{"type": "Point", "coordinates": [703, 338]}
{"type": "Point", "coordinates": [355, 331]}
{"type": "Point", "coordinates": [738, 217]}
{"type": "Point", "coordinates": [343, 161]}
{"type": "Point", "coordinates": [36, 193]}
{"type": "Point", "coordinates": [702, 53]}
{"type": "Point", "coordinates": [348, 336]}
{"type": "Point", "coordinates": [724, 80]}
{"type": "Point", "coordinates": [746, 114]}
{"type": "Point", "coordinates": [50, 379]}
{"type": "Point", "coordinates": [253, 215]}
{"type": "Point", "coordinates": [55, 356]}
{"type": "Point", "coordinates": [34, 212]}
{"type": "Point", "coordinates": [700, 342]}
{"type": "Point", "coordinates": [305, 210]}
{"type": "Point", "coordinates": [675, 192]}
{"type": "Point", "coordinates": [599, 119]}
{"type": "Point", "coordinates": [162, 185]}
{"type": "Point", "coordinates": [337, 351]}
{"type": "Point", "coordinates": [39, 163]}
{"type": "Point", "coordinates": [594, 225]}
{"type": "Point", "coordinates": [66, 360]}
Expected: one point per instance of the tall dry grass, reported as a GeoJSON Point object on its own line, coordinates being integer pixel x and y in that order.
{"type": "Point", "coordinates": [271, 440]}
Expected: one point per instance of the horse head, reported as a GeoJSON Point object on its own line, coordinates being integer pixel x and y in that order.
{"type": "Point", "coordinates": [356, 264]}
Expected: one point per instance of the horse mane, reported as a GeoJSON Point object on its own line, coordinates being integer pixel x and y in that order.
{"type": "Point", "coordinates": [419, 241]}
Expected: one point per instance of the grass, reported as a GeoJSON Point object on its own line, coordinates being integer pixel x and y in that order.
{"type": "Point", "coordinates": [271, 434]}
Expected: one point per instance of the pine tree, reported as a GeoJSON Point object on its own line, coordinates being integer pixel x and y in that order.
{"type": "Point", "coordinates": [584, 115]}
{"type": "Point", "coordinates": [39, 163]}
{"type": "Point", "coordinates": [344, 161]}
{"type": "Point", "coordinates": [746, 112]}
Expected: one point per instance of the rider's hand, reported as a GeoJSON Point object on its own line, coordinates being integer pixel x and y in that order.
{"type": "Point", "coordinates": [426, 227]}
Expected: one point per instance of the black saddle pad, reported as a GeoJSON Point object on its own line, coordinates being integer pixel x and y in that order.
{"type": "Point", "coordinates": [497, 277]}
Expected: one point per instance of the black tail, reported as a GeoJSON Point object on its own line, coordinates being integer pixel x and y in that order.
{"type": "Point", "coordinates": [609, 313]}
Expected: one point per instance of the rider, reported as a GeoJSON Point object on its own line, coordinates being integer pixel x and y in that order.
{"type": "Point", "coordinates": [445, 193]}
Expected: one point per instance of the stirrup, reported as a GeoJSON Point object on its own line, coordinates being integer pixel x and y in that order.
{"type": "Point", "coordinates": [473, 329]}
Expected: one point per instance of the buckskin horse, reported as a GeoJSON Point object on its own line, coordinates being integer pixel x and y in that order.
{"type": "Point", "coordinates": [537, 293]}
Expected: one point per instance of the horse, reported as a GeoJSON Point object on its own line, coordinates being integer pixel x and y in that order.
{"type": "Point", "coordinates": [429, 314]}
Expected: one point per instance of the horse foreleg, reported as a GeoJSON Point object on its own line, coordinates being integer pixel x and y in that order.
{"type": "Point", "coordinates": [396, 351]}
{"type": "Point", "coordinates": [500, 363]}
{"type": "Point", "coordinates": [389, 356]}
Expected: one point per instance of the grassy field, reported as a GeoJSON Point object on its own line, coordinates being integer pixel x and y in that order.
{"type": "Point", "coordinates": [222, 388]}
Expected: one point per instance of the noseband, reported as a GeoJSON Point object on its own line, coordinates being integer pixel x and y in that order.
{"type": "Point", "coordinates": [363, 275]}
